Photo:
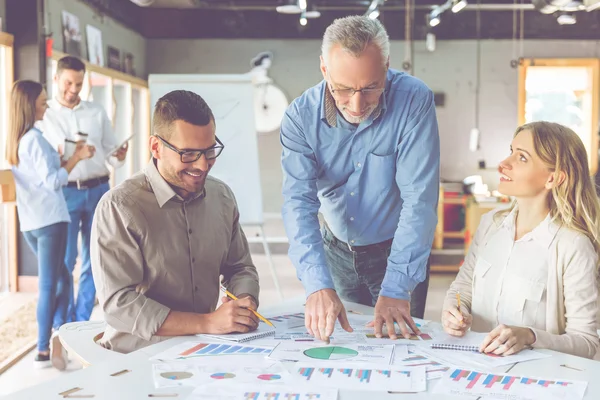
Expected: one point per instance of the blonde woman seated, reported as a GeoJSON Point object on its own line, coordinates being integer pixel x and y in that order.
{"type": "Point", "coordinates": [530, 275]}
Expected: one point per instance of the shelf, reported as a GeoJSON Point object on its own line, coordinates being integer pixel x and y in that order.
{"type": "Point", "coordinates": [454, 235]}
{"type": "Point", "coordinates": [458, 201]}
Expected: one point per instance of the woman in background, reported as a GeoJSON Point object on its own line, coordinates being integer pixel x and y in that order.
{"type": "Point", "coordinates": [42, 210]}
{"type": "Point", "coordinates": [530, 277]}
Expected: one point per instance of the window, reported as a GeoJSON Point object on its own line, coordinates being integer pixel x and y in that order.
{"type": "Point", "coordinates": [564, 91]}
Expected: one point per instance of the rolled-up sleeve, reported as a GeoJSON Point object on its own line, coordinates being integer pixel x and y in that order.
{"type": "Point", "coordinates": [239, 273]}
{"type": "Point", "coordinates": [301, 206]}
{"type": "Point", "coordinates": [418, 178]}
{"type": "Point", "coordinates": [118, 269]}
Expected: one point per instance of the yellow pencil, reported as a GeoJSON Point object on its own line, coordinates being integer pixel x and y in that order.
{"type": "Point", "coordinates": [233, 297]}
{"type": "Point", "coordinates": [458, 299]}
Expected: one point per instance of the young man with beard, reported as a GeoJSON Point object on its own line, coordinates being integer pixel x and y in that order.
{"type": "Point", "coordinates": [361, 147]}
{"type": "Point", "coordinates": [161, 240]}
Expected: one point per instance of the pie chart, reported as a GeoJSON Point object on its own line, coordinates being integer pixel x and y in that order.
{"type": "Point", "coordinates": [330, 353]}
{"type": "Point", "coordinates": [269, 377]}
{"type": "Point", "coordinates": [223, 375]}
{"type": "Point", "coordinates": [176, 375]}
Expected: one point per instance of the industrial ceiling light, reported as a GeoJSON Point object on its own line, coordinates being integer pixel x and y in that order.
{"type": "Point", "coordinates": [303, 20]}
{"type": "Point", "coordinates": [566, 18]}
{"type": "Point", "coordinates": [458, 5]}
{"type": "Point", "coordinates": [434, 19]}
{"type": "Point", "coordinates": [373, 10]}
{"type": "Point", "coordinates": [302, 4]}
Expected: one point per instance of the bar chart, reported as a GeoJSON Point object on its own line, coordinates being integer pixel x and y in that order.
{"type": "Point", "coordinates": [467, 382]}
{"type": "Point", "coordinates": [357, 378]}
{"type": "Point", "coordinates": [219, 349]}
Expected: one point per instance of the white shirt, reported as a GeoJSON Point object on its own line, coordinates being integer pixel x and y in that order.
{"type": "Point", "coordinates": [62, 123]}
{"type": "Point", "coordinates": [546, 281]}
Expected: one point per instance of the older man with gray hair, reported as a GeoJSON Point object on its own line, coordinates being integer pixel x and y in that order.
{"type": "Point", "coordinates": [363, 148]}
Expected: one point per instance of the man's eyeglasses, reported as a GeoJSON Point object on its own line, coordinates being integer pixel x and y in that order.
{"type": "Point", "coordinates": [345, 94]}
{"type": "Point", "coordinates": [189, 156]}
{"type": "Point", "coordinates": [348, 93]}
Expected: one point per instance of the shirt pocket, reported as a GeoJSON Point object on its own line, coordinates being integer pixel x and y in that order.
{"type": "Point", "coordinates": [480, 290]}
{"type": "Point", "coordinates": [522, 299]}
{"type": "Point", "coordinates": [380, 172]}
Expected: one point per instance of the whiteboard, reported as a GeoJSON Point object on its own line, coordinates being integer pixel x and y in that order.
{"type": "Point", "coordinates": [231, 99]}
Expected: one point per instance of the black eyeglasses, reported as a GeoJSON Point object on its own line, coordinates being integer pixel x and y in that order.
{"type": "Point", "coordinates": [189, 156]}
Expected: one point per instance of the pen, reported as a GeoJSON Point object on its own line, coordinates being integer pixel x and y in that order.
{"type": "Point", "coordinates": [232, 296]}
{"type": "Point", "coordinates": [458, 299]}
{"type": "Point", "coordinates": [568, 366]}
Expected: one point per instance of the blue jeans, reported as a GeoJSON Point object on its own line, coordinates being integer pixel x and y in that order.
{"type": "Point", "coordinates": [82, 205]}
{"type": "Point", "coordinates": [54, 281]}
{"type": "Point", "coordinates": [357, 276]}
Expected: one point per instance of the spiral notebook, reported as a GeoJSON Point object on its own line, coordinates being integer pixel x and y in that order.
{"type": "Point", "coordinates": [470, 342]}
{"type": "Point", "coordinates": [262, 331]}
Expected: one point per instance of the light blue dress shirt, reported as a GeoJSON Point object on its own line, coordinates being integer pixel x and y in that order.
{"type": "Point", "coordinates": [39, 179]}
{"type": "Point", "coordinates": [371, 182]}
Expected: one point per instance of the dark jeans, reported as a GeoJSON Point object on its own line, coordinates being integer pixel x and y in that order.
{"type": "Point", "coordinates": [357, 276]}
{"type": "Point", "coordinates": [54, 281]}
{"type": "Point", "coordinates": [82, 205]}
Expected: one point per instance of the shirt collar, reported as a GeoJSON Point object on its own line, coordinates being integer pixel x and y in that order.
{"type": "Point", "coordinates": [329, 110]}
{"type": "Point", "coordinates": [161, 188]}
{"type": "Point", "coordinates": [544, 233]}
{"type": "Point", "coordinates": [55, 104]}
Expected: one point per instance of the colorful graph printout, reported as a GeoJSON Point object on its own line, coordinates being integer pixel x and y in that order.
{"type": "Point", "coordinates": [463, 382]}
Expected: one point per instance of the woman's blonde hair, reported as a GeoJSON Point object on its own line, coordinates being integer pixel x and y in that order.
{"type": "Point", "coordinates": [573, 202]}
{"type": "Point", "coordinates": [21, 116]}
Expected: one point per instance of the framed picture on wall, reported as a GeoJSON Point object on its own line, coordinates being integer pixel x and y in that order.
{"type": "Point", "coordinates": [94, 45]}
{"type": "Point", "coordinates": [71, 34]}
{"type": "Point", "coordinates": [114, 58]}
{"type": "Point", "coordinates": [128, 64]}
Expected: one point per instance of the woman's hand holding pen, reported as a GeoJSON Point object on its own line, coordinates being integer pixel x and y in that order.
{"type": "Point", "coordinates": [455, 321]}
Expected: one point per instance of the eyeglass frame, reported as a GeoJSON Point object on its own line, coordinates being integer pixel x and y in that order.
{"type": "Point", "coordinates": [219, 144]}
{"type": "Point", "coordinates": [364, 91]}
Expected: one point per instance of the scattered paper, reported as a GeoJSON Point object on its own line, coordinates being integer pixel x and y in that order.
{"type": "Point", "coordinates": [461, 382]}
{"type": "Point", "coordinates": [261, 392]}
{"type": "Point", "coordinates": [189, 350]}
{"type": "Point", "coordinates": [362, 377]}
{"type": "Point", "coordinates": [416, 358]}
{"type": "Point", "coordinates": [347, 353]}
{"type": "Point", "coordinates": [177, 373]}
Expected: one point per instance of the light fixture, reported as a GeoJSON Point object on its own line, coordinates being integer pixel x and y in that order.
{"type": "Point", "coordinates": [566, 18]}
{"type": "Point", "coordinates": [458, 5]}
{"type": "Point", "coordinates": [434, 19]}
{"type": "Point", "coordinates": [302, 4]}
{"type": "Point", "coordinates": [303, 20]}
{"type": "Point", "coordinates": [373, 10]}
{"type": "Point", "coordinates": [374, 14]}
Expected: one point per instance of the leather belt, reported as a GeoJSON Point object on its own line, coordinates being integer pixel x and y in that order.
{"type": "Point", "coordinates": [89, 183]}
{"type": "Point", "coordinates": [359, 249]}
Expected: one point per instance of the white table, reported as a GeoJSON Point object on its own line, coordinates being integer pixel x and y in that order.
{"type": "Point", "coordinates": [138, 384]}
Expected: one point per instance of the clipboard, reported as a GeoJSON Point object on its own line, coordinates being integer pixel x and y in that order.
{"type": "Point", "coordinates": [110, 153]}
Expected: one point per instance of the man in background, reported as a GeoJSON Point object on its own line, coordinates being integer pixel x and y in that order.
{"type": "Point", "coordinates": [70, 119]}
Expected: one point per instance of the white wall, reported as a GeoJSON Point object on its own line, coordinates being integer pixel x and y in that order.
{"type": "Point", "coordinates": [451, 69]}
{"type": "Point", "coordinates": [113, 33]}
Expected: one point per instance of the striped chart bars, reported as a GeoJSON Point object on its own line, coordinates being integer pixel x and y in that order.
{"type": "Point", "coordinates": [214, 349]}
{"type": "Point", "coordinates": [291, 396]}
{"type": "Point", "coordinates": [306, 372]}
{"type": "Point", "coordinates": [407, 373]}
{"type": "Point", "coordinates": [364, 375]}
{"type": "Point", "coordinates": [505, 381]}
{"type": "Point", "coordinates": [326, 371]}
{"type": "Point", "coordinates": [385, 372]}
{"type": "Point", "coordinates": [251, 395]}
{"type": "Point", "coordinates": [346, 371]}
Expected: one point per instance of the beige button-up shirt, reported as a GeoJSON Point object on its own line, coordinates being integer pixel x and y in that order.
{"type": "Point", "coordinates": [546, 281]}
{"type": "Point", "coordinates": [152, 252]}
